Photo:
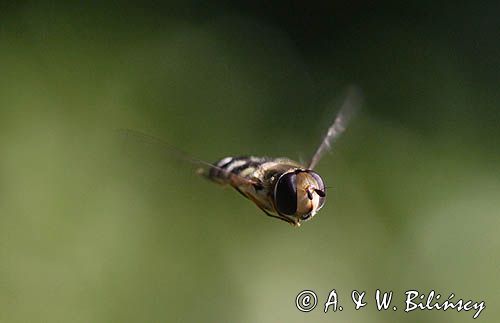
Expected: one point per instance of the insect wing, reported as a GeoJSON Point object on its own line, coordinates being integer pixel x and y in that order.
{"type": "Point", "coordinates": [202, 167]}
{"type": "Point", "coordinates": [348, 109]}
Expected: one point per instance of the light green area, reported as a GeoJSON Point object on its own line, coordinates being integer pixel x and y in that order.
{"type": "Point", "coordinates": [95, 229]}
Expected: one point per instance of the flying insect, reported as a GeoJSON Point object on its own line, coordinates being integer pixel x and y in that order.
{"type": "Point", "coordinates": [284, 189]}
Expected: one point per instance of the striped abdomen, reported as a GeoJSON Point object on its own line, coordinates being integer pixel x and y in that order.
{"type": "Point", "coordinates": [243, 166]}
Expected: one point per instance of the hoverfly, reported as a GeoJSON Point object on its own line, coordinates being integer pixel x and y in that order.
{"type": "Point", "coordinates": [282, 188]}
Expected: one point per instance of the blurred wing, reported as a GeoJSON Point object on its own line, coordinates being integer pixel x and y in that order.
{"type": "Point", "coordinates": [203, 167]}
{"type": "Point", "coordinates": [349, 107]}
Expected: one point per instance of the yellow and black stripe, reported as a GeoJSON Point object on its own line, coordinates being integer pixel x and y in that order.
{"type": "Point", "coordinates": [243, 166]}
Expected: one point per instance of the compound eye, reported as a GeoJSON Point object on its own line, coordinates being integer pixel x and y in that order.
{"type": "Point", "coordinates": [286, 194]}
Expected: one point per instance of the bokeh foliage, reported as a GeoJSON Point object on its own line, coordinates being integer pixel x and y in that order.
{"type": "Point", "coordinates": [96, 229]}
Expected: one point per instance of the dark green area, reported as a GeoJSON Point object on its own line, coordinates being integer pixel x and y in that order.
{"type": "Point", "coordinates": [94, 228]}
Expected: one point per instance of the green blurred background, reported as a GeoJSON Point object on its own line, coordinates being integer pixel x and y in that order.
{"type": "Point", "coordinates": [97, 229]}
